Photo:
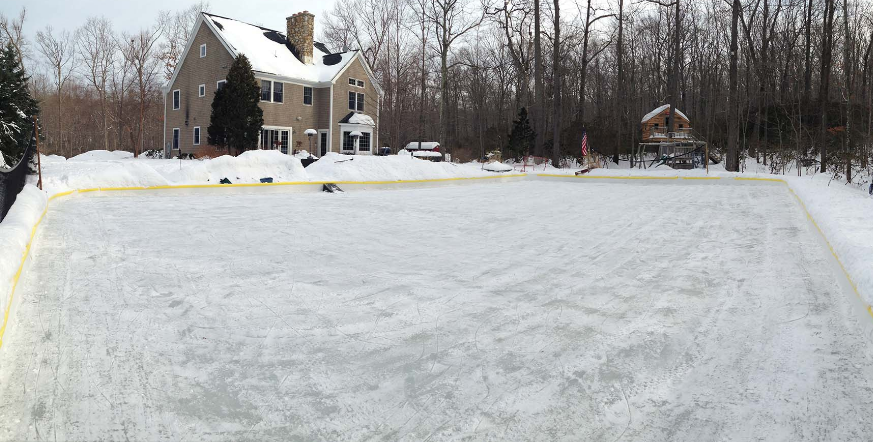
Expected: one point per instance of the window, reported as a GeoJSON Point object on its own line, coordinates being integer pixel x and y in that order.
{"type": "Point", "coordinates": [220, 84]}
{"type": "Point", "coordinates": [353, 82]}
{"type": "Point", "coordinates": [364, 142]}
{"type": "Point", "coordinates": [203, 50]}
{"type": "Point", "coordinates": [356, 101]}
{"type": "Point", "coordinates": [177, 99]}
{"type": "Point", "coordinates": [360, 83]}
{"type": "Point", "coordinates": [266, 90]}
{"type": "Point", "coordinates": [348, 141]}
{"type": "Point", "coordinates": [201, 90]}
{"type": "Point", "coordinates": [278, 92]}
{"type": "Point", "coordinates": [274, 139]}
{"type": "Point", "coordinates": [307, 95]}
{"type": "Point", "coordinates": [196, 135]}
{"type": "Point", "coordinates": [175, 138]}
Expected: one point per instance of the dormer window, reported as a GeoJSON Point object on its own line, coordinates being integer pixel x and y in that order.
{"type": "Point", "coordinates": [355, 82]}
{"type": "Point", "coordinates": [203, 50]}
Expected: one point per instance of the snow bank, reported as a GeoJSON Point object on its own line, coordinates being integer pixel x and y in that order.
{"type": "Point", "coordinates": [845, 215]}
{"type": "Point", "coordinates": [338, 167]}
{"type": "Point", "coordinates": [115, 169]}
{"type": "Point", "coordinates": [249, 167]}
{"type": "Point", "coordinates": [15, 233]}
{"type": "Point", "coordinates": [497, 167]}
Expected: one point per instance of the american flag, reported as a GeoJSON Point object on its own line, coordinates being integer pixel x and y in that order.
{"type": "Point", "coordinates": [584, 143]}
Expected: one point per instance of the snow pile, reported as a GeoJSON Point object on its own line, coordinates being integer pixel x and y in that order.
{"type": "Point", "coordinates": [15, 233]}
{"type": "Point", "coordinates": [845, 215]}
{"type": "Point", "coordinates": [103, 155]}
{"type": "Point", "coordinates": [497, 167]}
{"type": "Point", "coordinates": [337, 167]}
{"type": "Point", "coordinates": [249, 167]}
{"type": "Point", "coordinates": [80, 172]}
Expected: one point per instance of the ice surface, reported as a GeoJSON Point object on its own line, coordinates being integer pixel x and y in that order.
{"type": "Point", "coordinates": [546, 311]}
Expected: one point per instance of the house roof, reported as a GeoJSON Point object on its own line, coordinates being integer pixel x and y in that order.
{"type": "Point", "coordinates": [658, 111]}
{"type": "Point", "coordinates": [358, 118]}
{"type": "Point", "coordinates": [269, 52]}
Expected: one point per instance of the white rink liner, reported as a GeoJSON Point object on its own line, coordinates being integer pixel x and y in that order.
{"type": "Point", "coordinates": [524, 311]}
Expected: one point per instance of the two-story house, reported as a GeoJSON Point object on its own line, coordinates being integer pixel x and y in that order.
{"type": "Point", "coordinates": [303, 86]}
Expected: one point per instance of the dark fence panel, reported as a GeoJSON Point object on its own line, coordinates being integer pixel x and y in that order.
{"type": "Point", "coordinates": [12, 180]}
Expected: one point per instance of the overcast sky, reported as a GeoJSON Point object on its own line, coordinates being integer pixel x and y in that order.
{"type": "Point", "coordinates": [131, 16]}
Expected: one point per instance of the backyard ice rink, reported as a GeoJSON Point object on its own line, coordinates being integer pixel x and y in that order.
{"type": "Point", "coordinates": [519, 311]}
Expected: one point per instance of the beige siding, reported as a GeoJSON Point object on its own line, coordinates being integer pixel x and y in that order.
{"type": "Point", "coordinates": [296, 115]}
{"type": "Point", "coordinates": [194, 72]}
{"type": "Point", "coordinates": [341, 91]}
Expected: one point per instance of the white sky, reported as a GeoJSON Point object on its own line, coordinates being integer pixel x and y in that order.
{"type": "Point", "coordinates": [131, 16]}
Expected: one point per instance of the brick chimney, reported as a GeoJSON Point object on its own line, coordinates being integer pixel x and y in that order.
{"type": "Point", "coordinates": [301, 27]}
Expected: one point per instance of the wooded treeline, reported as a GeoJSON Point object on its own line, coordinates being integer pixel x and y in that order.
{"type": "Point", "coordinates": [459, 71]}
{"type": "Point", "coordinates": [465, 68]}
{"type": "Point", "coordinates": [98, 87]}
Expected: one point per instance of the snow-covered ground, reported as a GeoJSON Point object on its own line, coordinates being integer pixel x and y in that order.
{"type": "Point", "coordinates": [119, 169]}
{"type": "Point", "coordinates": [522, 311]}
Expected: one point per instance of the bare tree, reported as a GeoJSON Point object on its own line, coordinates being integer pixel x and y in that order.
{"type": "Point", "coordinates": [179, 27]}
{"type": "Point", "coordinates": [451, 20]}
{"type": "Point", "coordinates": [97, 48]}
{"type": "Point", "coordinates": [59, 55]}
{"type": "Point", "coordinates": [12, 31]}
{"type": "Point", "coordinates": [140, 50]}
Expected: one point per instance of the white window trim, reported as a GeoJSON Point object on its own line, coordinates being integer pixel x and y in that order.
{"type": "Point", "coordinates": [195, 134]}
{"type": "Point", "coordinates": [218, 83]}
{"type": "Point", "coordinates": [356, 81]}
{"type": "Point", "coordinates": [361, 84]}
{"type": "Point", "coordinates": [311, 95]}
{"type": "Point", "coordinates": [203, 50]}
{"type": "Point", "coordinates": [279, 128]}
{"type": "Point", "coordinates": [346, 127]}
{"type": "Point", "coordinates": [179, 147]}
{"type": "Point", "coordinates": [173, 99]}
{"type": "Point", "coordinates": [273, 92]}
{"type": "Point", "coordinates": [201, 90]}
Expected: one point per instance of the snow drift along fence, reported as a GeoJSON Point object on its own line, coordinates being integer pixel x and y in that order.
{"type": "Point", "coordinates": [12, 180]}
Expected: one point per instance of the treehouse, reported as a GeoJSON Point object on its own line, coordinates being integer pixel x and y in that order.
{"type": "Point", "coordinates": [677, 145]}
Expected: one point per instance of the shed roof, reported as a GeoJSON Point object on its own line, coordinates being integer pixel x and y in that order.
{"type": "Point", "coordinates": [658, 111]}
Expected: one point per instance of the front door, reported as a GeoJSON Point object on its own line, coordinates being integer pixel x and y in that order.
{"type": "Point", "coordinates": [322, 143]}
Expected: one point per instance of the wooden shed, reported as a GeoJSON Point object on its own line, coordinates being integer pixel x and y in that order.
{"type": "Point", "coordinates": [655, 123]}
{"type": "Point", "coordinates": [677, 146]}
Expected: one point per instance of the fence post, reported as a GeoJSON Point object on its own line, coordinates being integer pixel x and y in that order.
{"type": "Point", "coordinates": [38, 161]}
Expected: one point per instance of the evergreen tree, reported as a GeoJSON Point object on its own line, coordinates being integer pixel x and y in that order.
{"type": "Point", "coordinates": [236, 117]}
{"type": "Point", "coordinates": [522, 137]}
{"type": "Point", "coordinates": [17, 107]}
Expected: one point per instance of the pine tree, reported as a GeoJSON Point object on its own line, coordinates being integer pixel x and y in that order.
{"type": "Point", "coordinates": [522, 137]}
{"type": "Point", "coordinates": [236, 116]}
{"type": "Point", "coordinates": [17, 107]}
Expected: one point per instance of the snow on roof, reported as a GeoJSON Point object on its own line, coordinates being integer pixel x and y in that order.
{"type": "Point", "coordinates": [269, 53]}
{"type": "Point", "coordinates": [423, 153]}
{"type": "Point", "coordinates": [358, 118]}
{"type": "Point", "coordinates": [425, 145]}
{"type": "Point", "coordinates": [657, 111]}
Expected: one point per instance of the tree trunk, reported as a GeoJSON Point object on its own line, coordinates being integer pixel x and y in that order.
{"type": "Point", "coordinates": [619, 87]}
{"type": "Point", "coordinates": [732, 159]}
{"type": "Point", "coordinates": [826, 60]}
{"type": "Point", "coordinates": [539, 113]}
{"type": "Point", "coordinates": [556, 73]}
{"type": "Point", "coordinates": [674, 76]}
